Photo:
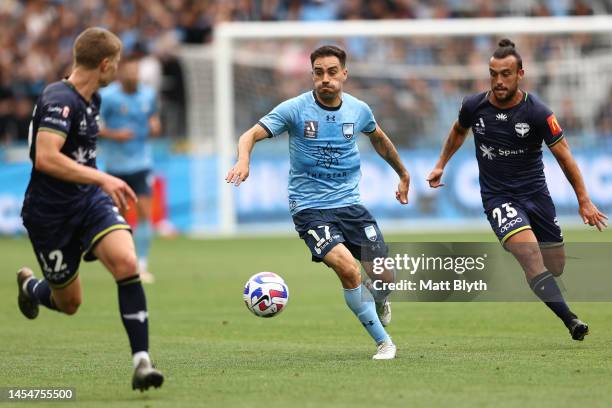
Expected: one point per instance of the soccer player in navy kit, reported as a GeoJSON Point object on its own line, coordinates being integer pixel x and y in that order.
{"type": "Point", "coordinates": [509, 126]}
{"type": "Point", "coordinates": [324, 183]}
{"type": "Point", "coordinates": [71, 208]}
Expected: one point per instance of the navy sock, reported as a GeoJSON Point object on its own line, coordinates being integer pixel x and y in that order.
{"type": "Point", "coordinates": [133, 309]}
{"type": "Point", "coordinates": [545, 287]}
{"type": "Point", "coordinates": [40, 291]}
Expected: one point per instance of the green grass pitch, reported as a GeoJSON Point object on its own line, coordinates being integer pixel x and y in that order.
{"type": "Point", "coordinates": [215, 353]}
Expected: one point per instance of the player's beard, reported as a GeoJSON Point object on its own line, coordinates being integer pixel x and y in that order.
{"type": "Point", "coordinates": [509, 95]}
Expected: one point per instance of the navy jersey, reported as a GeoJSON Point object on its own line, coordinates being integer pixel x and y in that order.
{"type": "Point", "coordinates": [63, 111]}
{"type": "Point", "coordinates": [509, 144]}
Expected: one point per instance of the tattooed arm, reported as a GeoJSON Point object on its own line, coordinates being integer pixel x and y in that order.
{"type": "Point", "coordinates": [385, 148]}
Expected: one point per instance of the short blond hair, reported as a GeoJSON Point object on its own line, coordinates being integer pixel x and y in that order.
{"type": "Point", "coordinates": [93, 45]}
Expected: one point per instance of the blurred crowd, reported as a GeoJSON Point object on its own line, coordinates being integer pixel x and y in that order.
{"type": "Point", "coordinates": [415, 85]}
{"type": "Point", "coordinates": [36, 38]}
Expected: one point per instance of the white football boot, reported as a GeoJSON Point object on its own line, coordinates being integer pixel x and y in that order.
{"type": "Point", "coordinates": [385, 351]}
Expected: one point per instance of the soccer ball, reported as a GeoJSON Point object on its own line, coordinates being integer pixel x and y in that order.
{"type": "Point", "coordinates": [266, 294]}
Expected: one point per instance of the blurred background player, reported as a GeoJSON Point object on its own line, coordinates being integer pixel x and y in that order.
{"type": "Point", "coordinates": [324, 198]}
{"type": "Point", "coordinates": [130, 116]}
{"type": "Point", "coordinates": [509, 126]}
{"type": "Point", "coordinates": [70, 207]}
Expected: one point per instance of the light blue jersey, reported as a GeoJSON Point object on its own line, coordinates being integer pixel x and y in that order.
{"type": "Point", "coordinates": [325, 165]}
{"type": "Point", "coordinates": [120, 110]}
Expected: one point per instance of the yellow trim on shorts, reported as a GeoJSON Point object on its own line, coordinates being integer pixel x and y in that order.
{"type": "Point", "coordinates": [104, 232]}
{"type": "Point", "coordinates": [511, 233]}
{"type": "Point", "coordinates": [556, 141]}
{"type": "Point", "coordinates": [51, 130]}
{"type": "Point", "coordinates": [63, 285]}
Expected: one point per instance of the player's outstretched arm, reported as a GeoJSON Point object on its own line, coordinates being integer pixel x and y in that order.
{"type": "Point", "coordinates": [50, 160]}
{"type": "Point", "coordinates": [240, 171]}
{"type": "Point", "coordinates": [455, 139]}
{"type": "Point", "coordinates": [385, 148]}
{"type": "Point", "coordinates": [588, 211]}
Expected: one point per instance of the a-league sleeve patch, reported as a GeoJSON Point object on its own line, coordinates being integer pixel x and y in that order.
{"type": "Point", "coordinates": [554, 126]}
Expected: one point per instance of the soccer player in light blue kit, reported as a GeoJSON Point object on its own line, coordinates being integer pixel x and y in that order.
{"type": "Point", "coordinates": [129, 114]}
{"type": "Point", "coordinates": [324, 178]}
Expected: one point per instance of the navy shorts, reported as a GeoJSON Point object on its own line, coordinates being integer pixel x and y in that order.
{"type": "Point", "coordinates": [141, 181]}
{"type": "Point", "coordinates": [59, 240]}
{"type": "Point", "coordinates": [508, 216]}
{"type": "Point", "coordinates": [323, 229]}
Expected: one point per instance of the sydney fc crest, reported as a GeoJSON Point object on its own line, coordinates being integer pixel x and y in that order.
{"type": "Point", "coordinates": [348, 129]}
{"type": "Point", "coordinates": [370, 232]}
{"type": "Point", "coordinates": [521, 129]}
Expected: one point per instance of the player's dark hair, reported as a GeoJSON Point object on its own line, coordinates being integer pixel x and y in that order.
{"type": "Point", "coordinates": [329, 51]}
{"type": "Point", "coordinates": [506, 47]}
{"type": "Point", "coordinates": [93, 45]}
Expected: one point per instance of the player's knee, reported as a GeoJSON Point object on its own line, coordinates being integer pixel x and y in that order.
{"type": "Point", "coordinates": [69, 306]}
{"type": "Point", "coordinates": [129, 265]}
{"type": "Point", "coordinates": [349, 274]}
{"type": "Point", "coordinates": [557, 267]}
{"type": "Point", "coordinates": [554, 260]}
{"type": "Point", "coordinates": [124, 266]}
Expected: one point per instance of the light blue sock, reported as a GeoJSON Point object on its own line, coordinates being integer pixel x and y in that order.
{"type": "Point", "coordinates": [365, 311]}
{"type": "Point", "coordinates": [142, 239]}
